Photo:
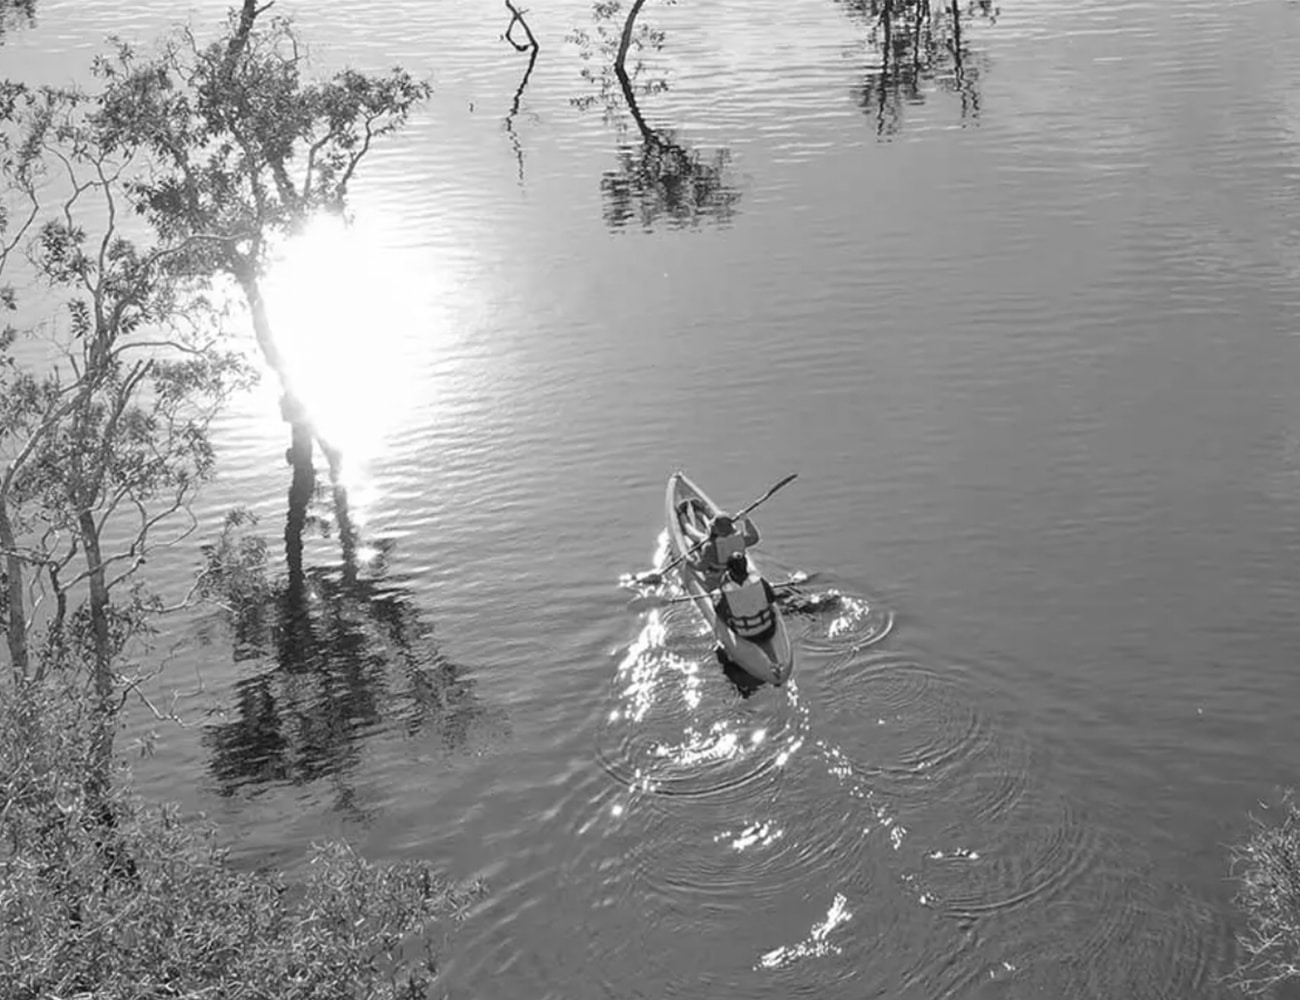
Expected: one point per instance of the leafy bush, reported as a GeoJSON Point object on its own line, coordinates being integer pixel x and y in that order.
{"type": "Point", "coordinates": [135, 904]}
{"type": "Point", "coordinates": [1267, 869]}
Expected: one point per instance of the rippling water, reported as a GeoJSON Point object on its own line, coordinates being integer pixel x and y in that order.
{"type": "Point", "coordinates": [1029, 340]}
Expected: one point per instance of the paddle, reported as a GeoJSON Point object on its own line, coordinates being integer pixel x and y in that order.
{"type": "Point", "coordinates": [646, 602]}
{"type": "Point", "coordinates": [652, 577]}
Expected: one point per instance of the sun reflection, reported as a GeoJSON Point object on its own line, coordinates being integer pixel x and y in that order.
{"type": "Point", "coordinates": [818, 941]}
{"type": "Point", "coordinates": [761, 834]}
{"type": "Point", "coordinates": [347, 313]}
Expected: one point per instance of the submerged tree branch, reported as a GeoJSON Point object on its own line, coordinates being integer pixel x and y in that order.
{"type": "Point", "coordinates": [532, 48]}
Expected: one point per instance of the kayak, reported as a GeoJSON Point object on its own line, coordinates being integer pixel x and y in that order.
{"type": "Point", "coordinates": [689, 512]}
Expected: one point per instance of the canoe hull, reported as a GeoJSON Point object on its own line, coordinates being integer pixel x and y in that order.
{"type": "Point", "coordinates": [772, 660]}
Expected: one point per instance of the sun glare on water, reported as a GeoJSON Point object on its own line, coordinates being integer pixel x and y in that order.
{"type": "Point", "coordinates": [347, 313]}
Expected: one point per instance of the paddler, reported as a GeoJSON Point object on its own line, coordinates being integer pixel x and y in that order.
{"type": "Point", "coordinates": [726, 539]}
{"type": "Point", "coordinates": [747, 600]}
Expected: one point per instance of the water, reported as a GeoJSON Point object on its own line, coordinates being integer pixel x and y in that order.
{"type": "Point", "coordinates": [1030, 344]}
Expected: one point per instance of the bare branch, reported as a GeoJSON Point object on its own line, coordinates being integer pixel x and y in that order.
{"type": "Point", "coordinates": [517, 17]}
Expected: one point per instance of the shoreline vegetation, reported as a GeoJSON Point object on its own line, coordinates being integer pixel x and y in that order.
{"type": "Point", "coordinates": [147, 905]}
{"type": "Point", "coordinates": [220, 151]}
{"type": "Point", "coordinates": [1266, 868]}
{"type": "Point", "coordinates": [143, 214]}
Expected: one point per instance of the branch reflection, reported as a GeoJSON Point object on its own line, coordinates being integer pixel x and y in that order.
{"type": "Point", "coordinates": [341, 656]}
{"type": "Point", "coordinates": [923, 47]}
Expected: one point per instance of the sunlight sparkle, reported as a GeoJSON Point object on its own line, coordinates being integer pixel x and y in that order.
{"type": "Point", "coordinates": [346, 316]}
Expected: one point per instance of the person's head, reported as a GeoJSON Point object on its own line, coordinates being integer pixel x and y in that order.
{"type": "Point", "coordinates": [738, 566]}
{"type": "Point", "coordinates": [721, 525]}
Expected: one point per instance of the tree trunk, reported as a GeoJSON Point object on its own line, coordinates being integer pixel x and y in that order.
{"type": "Point", "coordinates": [956, 35]}
{"type": "Point", "coordinates": [105, 716]}
{"type": "Point", "coordinates": [16, 627]}
{"type": "Point", "coordinates": [301, 437]}
{"type": "Point", "coordinates": [301, 488]}
{"type": "Point", "coordinates": [103, 653]}
{"type": "Point", "coordinates": [887, 18]}
{"type": "Point", "coordinates": [626, 40]}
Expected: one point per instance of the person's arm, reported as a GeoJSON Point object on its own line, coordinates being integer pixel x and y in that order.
{"type": "Point", "coordinates": [770, 592]}
{"type": "Point", "coordinates": [751, 532]}
{"type": "Point", "coordinates": [720, 609]}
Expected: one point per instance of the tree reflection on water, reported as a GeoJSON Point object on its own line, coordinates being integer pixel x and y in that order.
{"type": "Point", "coordinates": [342, 655]}
{"type": "Point", "coordinates": [922, 46]}
{"type": "Point", "coordinates": [659, 178]}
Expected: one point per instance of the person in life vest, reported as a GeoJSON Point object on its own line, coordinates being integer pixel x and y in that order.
{"type": "Point", "coordinates": [726, 539]}
{"type": "Point", "coordinates": [747, 601]}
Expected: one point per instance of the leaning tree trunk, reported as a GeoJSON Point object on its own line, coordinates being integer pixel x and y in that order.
{"type": "Point", "coordinates": [626, 40]}
{"type": "Point", "coordinates": [625, 81]}
{"type": "Point", "coordinates": [301, 439]}
{"type": "Point", "coordinates": [16, 627]}
{"type": "Point", "coordinates": [300, 452]}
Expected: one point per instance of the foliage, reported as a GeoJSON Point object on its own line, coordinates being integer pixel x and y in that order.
{"type": "Point", "coordinates": [245, 148]}
{"type": "Point", "coordinates": [1267, 870]}
{"type": "Point", "coordinates": [598, 50]}
{"type": "Point", "coordinates": [15, 13]}
{"type": "Point", "coordinates": [104, 423]}
{"type": "Point", "coordinates": [151, 907]}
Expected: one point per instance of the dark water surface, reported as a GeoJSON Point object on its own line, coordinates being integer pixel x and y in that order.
{"type": "Point", "coordinates": [1029, 341]}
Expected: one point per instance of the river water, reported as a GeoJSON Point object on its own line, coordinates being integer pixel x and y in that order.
{"type": "Point", "coordinates": [1028, 336]}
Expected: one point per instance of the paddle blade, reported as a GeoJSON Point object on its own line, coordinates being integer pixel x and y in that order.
{"type": "Point", "coordinates": [634, 581]}
{"type": "Point", "coordinates": [766, 496]}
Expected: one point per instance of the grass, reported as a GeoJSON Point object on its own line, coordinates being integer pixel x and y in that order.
{"type": "Point", "coordinates": [142, 905]}
{"type": "Point", "coordinates": [1267, 870]}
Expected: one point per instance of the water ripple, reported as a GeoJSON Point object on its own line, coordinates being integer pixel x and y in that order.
{"type": "Point", "coordinates": [677, 727]}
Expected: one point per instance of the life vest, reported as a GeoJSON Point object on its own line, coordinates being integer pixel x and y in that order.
{"type": "Point", "coordinates": [725, 546]}
{"type": "Point", "coordinates": [747, 606]}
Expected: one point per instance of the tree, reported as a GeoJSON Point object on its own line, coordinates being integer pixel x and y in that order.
{"type": "Point", "coordinates": [20, 168]}
{"type": "Point", "coordinates": [660, 178]}
{"type": "Point", "coordinates": [245, 152]}
{"type": "Point", "coordinates": [14, 13]}
{"type": "Point", "coordinates": [104, 425]}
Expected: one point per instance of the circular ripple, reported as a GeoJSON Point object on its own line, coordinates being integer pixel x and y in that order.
{"type": "Point", "coordinates": [978, 833]}
{"type": "Point", "coordinates": [830, 620]}
{"type": "Point", "coordinates": [676, 726]}
{"type": "Point", "coordinates": [1026, 855]}
{"type": "Point", "coordinates": [755, 820]}
{"type": "Point", "coordinates": [914, 721]}
{"type": "Point", "coordinates": [1115, 933]}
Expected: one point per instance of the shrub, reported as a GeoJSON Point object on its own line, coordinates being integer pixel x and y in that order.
{"type": "Point", "coordinates": [1267, 870]}
{"type": "Point", "coordinates": [137, 904]}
